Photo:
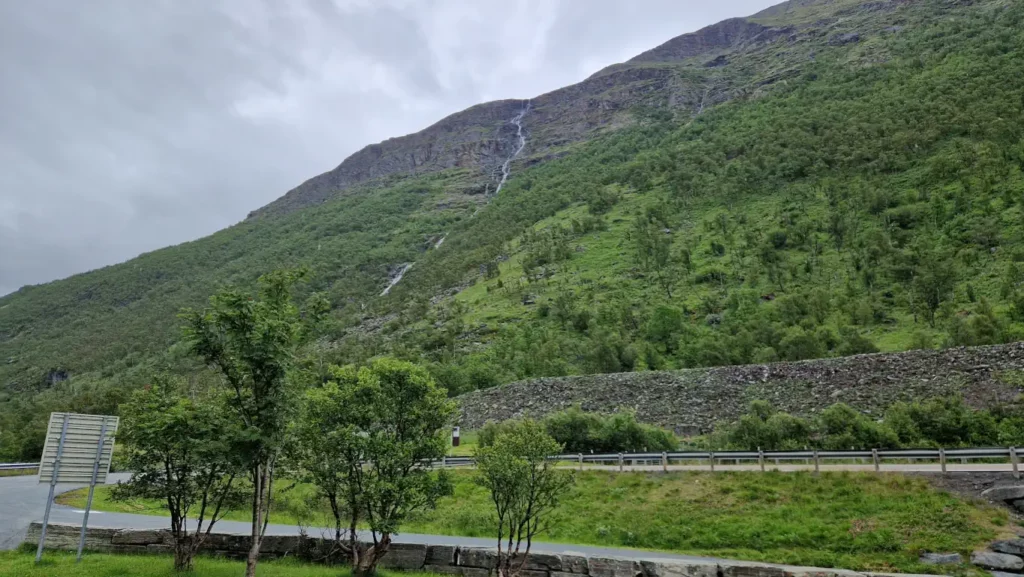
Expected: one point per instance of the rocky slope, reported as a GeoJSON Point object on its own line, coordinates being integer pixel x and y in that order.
{"type": "Point", "coordinates": [481, 137]}
{"type": "Point", "coordinates": [692, 401]}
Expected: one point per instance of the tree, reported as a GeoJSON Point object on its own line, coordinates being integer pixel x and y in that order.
{"type": "Point", "coordinates": [253, 343]}
{"type": "Point", "coordinates": [326, 446]}
{"type": "Point", "coordinates": [524, 487]}
{"type": "Point", "coordinates": [933, 281]}
{"type": "Point", "coordinates": [366, 440]}
{"type": "Point", "coordinates": [183, 453]}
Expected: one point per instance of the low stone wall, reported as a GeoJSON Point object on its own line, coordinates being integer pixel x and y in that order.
{"type": "Point", "coordinates": [443, 559]}
{"type": "Point", "coordinates": [692, 401]}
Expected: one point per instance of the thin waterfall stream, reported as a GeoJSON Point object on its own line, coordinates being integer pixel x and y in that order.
{"type": "Point", "coordinates": [506, 170]}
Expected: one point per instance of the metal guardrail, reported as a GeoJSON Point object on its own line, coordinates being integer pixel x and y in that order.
{"type": "Point", "coordinates": [18, 466]}
{"type": "Point", "coordinates": [713, 458]}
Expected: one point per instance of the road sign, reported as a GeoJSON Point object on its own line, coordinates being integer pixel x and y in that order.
{"type": "Point", "coordinates": [78, 449]}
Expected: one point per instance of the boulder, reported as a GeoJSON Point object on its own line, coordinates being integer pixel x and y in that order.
{"type": "Point", "coordinates": [1010, 547]}
{"type": "Point", "coordinates": [1008, 493]}
{"type": "Point", "coordinates": [997, 561]}
{"type": "Point", "coordinates": [943, 558]}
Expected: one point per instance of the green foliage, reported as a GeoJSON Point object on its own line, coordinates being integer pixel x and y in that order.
{"type": "Point", "coordinates": [582, 432]}
{"type": "Point", "coordinates": [524, 486]}
{"type": "Point", "coordinates": [252, 342]}
{"type": "Point", "coordinates": [366, 440]}
{"type": "Point", "coordinates": [183, 453]}
{"type": "Point", "coordinates": [938, 422]}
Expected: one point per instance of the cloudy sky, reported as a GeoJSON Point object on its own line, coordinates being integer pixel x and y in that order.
{"type": "Point", "coordinates": [129, 125]}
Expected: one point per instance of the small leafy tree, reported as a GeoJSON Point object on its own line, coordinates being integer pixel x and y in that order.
{"type": "Point", "coordinates": [524, 488]}
{"type": "Point", "coordinates": [366, 441]}
{"type": "Point", "coordinates": [183, 453]}
{"type": "Point", "coordinates": [253, 343]}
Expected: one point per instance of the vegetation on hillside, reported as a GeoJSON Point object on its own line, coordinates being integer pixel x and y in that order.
{"type": "Point", "coordinates": [873, 201]}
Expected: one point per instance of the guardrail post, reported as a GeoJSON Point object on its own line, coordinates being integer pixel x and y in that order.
{"type": "Point", "coordinates": [620, 462]}
{"type": "Point", "coordinates": [942, 459]}
{"type": "Point", "coordinates": [580, 457]}
{"type": "Point", "coordinates": [444, 461]}
{"type": "Point", "coordinates": [1013, 461]}
{"type": "Point", "coordinates": [712, 461]}
{"type": "Point", "coordinates": [874, 458]}
{"type": "Point", "coordinates": [760, 459]}
{"type": "Point", "coordinates": [817, 467]}
{"type": "Point", "coordinates": [664, 462]}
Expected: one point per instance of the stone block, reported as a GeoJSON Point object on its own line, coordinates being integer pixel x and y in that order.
{"type": "Point", "coordinates": [674, 568]}
{"type": "Point", "coordinates": [613, 567]}
{"type": "Point", "coordinates": [478, 557]}
{"type": "Point", "coordinates": [141, 537]}
{"type": "Point", "coordinates": [791, 571]}
{"type": "Point", "coordinates": [944, 558]}
{"type": "Point", "coordinates": [541, 562]}
{"type": "Point", "coordinates": [1010, 493]}
{"type": "Point", "coordinates": [1010, 547]}
{"type": "Point", "coordinates": [277, 544]}
{"type": "Point", "coordinates": [159, 548]}
{"type": "Point", "coordinates": [456, 570]}
{"type": "Point", "coordinates": [405, 556]}
{"type": "Point", "coordinates": [997, 561]}
{"type": "Point", "coordinates": [740, 569]}
{"type": "Point", "coordinates": [574, 563]}
{"type": "Point", "coordinates": [225, 542]}
{"type": "Point", "coordinates": [440, 555]}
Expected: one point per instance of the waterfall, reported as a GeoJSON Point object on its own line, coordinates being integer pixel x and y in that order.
{"type": "Point", "coordinates": [405, 268]}
{"type": "Point", "coordinates": [506, 170]}
{"type": "Point", "coordinates": [506, 167]}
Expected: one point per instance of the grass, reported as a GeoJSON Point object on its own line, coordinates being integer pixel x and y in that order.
{"type": "Point", "coordinates": [857, 521]}
{"type": "Point", "coordinates": [62, 564]}
{"type": "Point", "coordinates": [18, 472]}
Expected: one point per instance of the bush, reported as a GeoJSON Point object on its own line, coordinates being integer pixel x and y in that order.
{"type": "Point", "coordinates": [582, 432]}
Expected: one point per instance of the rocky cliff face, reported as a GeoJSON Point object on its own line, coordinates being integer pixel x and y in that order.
{"type": "Point", "coordinates": [691, 401]}
{"type": "Point", "coordinates": [481, 138]}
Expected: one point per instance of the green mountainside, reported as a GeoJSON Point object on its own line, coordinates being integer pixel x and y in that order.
{"type": "Point", "coordinates": [825, 178]}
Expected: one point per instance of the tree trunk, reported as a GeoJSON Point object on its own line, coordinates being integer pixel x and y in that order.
{"type": "Point", "coordinates": [261, 482]}
{"type": "Point", "coordinates": [368, 560]}
{"type": "Point", "coordinates": [183, 554]}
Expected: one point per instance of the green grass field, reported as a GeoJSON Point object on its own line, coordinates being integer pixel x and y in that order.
{"type": "Point", "coordinates": [59, 564]}
{"type": "Point", "coordinates": [851, 520]}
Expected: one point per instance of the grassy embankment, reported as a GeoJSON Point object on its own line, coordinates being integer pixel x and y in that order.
{"type": "Point", "coordinates": [849, 520]}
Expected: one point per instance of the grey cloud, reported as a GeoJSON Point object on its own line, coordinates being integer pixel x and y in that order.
{"type": "Point", "coordinates": [126, 126]}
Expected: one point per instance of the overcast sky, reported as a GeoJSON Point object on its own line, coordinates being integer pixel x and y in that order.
{"type": "Point", "coordinates": [129, 125]}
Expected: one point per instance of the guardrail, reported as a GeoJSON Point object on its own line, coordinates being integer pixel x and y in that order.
{"type": "Point", "coordinates": [765, 459]}
{"type": "Point", "coordinates": [18, 466]}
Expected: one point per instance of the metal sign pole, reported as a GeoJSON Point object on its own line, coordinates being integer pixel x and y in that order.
{"type": "Point", "coordinates": [92, 487]}
{"type": "Point", "coordinates": [53, 484]}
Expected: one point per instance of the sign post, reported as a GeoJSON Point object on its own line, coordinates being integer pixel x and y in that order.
{"type": "Point", "coordinates": [78, 450]}
{"type": "Point", "coordinates": [455, 437]}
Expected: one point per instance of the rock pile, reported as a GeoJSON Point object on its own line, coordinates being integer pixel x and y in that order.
{"type": "Point", "coordinates": [691, 401]}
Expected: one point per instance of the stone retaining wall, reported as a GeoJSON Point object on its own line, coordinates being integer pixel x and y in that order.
{"type": "Point", "coordinates": [443, 559]}
{"type": "Point", "coordinates": [692, 401]}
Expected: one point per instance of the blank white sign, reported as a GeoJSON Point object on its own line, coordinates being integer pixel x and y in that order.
{"type": "Point", "coordinates": [80, 444]}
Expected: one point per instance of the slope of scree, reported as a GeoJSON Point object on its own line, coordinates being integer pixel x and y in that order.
{"type": "Point", "coordinates": [692, 401]}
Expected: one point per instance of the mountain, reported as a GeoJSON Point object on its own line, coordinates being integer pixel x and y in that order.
{"type": "Point", "coordinates": [825, 178]}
